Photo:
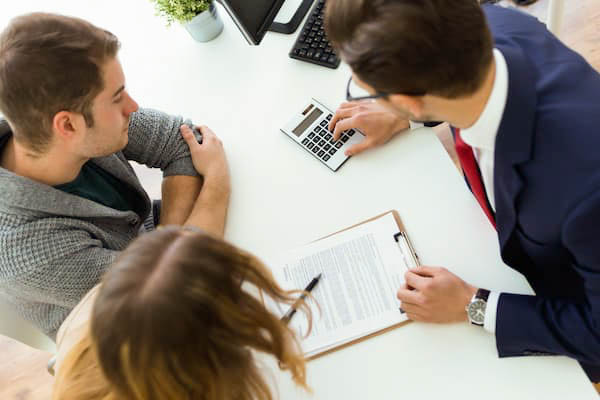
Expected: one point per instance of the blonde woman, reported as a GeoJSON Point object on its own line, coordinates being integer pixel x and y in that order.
{"type": "Point", "coordinates": [174, 319]}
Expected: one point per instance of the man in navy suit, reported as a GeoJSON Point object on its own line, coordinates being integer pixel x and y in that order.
{"type": "Point", "coordinates": [525, 112]}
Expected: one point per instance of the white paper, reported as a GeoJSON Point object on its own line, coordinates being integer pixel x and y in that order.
{"type": "Point", "coordinates": [362, 269]}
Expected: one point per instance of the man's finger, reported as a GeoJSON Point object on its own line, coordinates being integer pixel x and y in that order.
{"type": "Point", "coordinates": [188, 136]}
{"type": "Point", "coordinates": [407, 296]}
{"type": "Point", "coordinates": [340, 114]}
{"type": "Point", "coordinates": [424, 270]}
{"type": "Point", "coordinates": [341, 126]}
{"type": "Point", "coordinates": [415, 280]}
{"type": "Point", "coordinates": [360, 147]}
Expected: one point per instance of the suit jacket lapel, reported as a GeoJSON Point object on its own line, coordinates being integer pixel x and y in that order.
{"type": "Point", "coordinates": [514, 140]}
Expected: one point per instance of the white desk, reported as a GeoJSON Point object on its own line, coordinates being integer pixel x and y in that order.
{"type": "Point", "coordinates": [282, 197]}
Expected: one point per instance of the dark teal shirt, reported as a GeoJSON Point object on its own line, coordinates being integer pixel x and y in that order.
{"type": "Point", "coordinates": [95, 184]}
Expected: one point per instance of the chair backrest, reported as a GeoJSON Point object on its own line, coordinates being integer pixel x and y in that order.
{"type": "Point", "coordinates": [15, 327]}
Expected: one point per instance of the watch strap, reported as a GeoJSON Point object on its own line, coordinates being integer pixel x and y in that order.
{"type": "Point", "coordinates": [482, 294]}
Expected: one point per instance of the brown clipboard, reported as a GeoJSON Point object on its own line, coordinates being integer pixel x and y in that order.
{"type": "Point", "coordinates": [401, 228]}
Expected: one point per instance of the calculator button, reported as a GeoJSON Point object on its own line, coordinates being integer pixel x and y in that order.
{"type": "Point", "coordinates": [315, 149]}
{"type": "Point", "coordinates": [329, 117]}
{"type": "Point", "coordinates": [323, 133]}
{"type": "Point", "coordinates": [351, 132]}
{"type": "Point", "coordinates": [323, 123]}
{"type": "Point", "coordinates": [345, 138]}
{"type": "Point", "coordinates": [316, 139]}
{"type": "Point", "coordinates": [326, 157]}
{"type": "Point", "coordinates": [332, 151]}
{"type": "Point", "coordinates": [317, 129]}
{"type": "Point", "coordinates": [310, 145]}
{"type": "Point", "coordinates": [331, 141]}
{"type": "Point", "coordinates": [338, 145]}
{"type": "Point", "coordinates": [321, 153]}
{"type": "Point", "coordinates": [322, 143]}
{"type": "Point", "coordinates": [328, 137]}
{"type": "Point", "coordinates": [305, 142]}
{"type": "Point", "coordinates": [327, 146]}
{"type": "Point", "coordinates": [311, 135]}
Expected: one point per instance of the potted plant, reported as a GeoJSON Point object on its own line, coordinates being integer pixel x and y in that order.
{"type": "Point", "coordinates": [199, 17]}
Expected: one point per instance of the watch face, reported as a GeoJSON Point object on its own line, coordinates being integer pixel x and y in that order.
{"type": "Point", "coordinates": [476, 311]}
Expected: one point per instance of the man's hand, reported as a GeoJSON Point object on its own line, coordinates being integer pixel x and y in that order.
{"type": "Point", "coordinates": [209, 156]}
{"type": "Point", "coordinates": [377, 122]}
{"type": "Point", "coordinates": [210, 209]}
{"type": "Point", "coordinates": [433, 294]}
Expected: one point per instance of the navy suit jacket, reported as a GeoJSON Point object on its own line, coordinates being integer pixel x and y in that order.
{"type": "Point", "coordinates": [547, 193]}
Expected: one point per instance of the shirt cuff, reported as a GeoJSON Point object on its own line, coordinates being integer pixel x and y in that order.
{"type": "Point", "coordinates": [489, 322]}
{"type": "Point", "coordinates": [415, 125]}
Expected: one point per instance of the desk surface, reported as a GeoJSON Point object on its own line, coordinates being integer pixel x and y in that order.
{"type": "Point", "coordinates": [282, 198]}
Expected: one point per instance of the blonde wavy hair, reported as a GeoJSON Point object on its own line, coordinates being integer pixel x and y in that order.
{"type": "Point", "coordinates": [174, 319]}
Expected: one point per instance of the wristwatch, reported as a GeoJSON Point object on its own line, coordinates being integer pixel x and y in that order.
{"type": "Point", "coordinates": [476, 308]}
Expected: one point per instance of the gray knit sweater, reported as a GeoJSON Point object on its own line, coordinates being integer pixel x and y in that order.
{"type": "Point", "coordinates": [55, 246]}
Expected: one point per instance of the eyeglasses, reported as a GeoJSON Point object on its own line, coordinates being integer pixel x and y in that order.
{"type": "Point", "coordinates": [349, 97]}
{"type": "Point", "coordinates": [378, 95]}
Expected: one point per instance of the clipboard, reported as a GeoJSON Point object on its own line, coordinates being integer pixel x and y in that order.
{"type": "Point", "coordinates": [402, 239]}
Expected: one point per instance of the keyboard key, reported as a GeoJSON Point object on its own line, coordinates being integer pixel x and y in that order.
{"type": "Point", "coordinates": [310, 145]}
{"type": "Point", "coordinates": [305, 142]}
{"type": "Point", "coordinates": [332, 151]}
{"type": "Point", "coordinates": [321, 153]}
{"type": "Point", "coordinates": [311, 135]}
{"type": "Point", "coordinates": [332, 59]}
{"type": "Point", "coordinates": [326, 157]}
{"type": "Point", "coordinates": [322, 143]}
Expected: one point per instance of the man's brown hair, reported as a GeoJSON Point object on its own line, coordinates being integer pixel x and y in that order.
{"type": "Point", "coordinates": [178, 317]}
{"type": "Point", "coordinates": [438, 47]}
{"type": "Point", "coordinates": [50, 63]}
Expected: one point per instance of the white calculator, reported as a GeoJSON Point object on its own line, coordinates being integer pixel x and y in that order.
{"type": "Point", "coordinates": [309, 128]}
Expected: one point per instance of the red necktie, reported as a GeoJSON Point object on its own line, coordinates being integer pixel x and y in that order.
{"type": "Point", "coordinates": [471, 170]}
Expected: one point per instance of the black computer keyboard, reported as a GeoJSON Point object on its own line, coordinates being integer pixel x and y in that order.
{"type": "Point", "coordinates": [312, 44]}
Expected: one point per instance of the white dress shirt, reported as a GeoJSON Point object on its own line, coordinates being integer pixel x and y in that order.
{"type": "Point", "coordinates": [482, 138]}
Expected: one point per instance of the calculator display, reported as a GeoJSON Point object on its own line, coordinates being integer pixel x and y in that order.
{"type": "Point", "coordinates": [312, 117]}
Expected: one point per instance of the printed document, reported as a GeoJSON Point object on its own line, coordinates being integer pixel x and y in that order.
{"type": "Point", "coordinates": [362, 269]}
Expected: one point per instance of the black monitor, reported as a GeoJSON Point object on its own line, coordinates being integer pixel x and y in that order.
{"type": "Point", "coordinates": [255, 17]}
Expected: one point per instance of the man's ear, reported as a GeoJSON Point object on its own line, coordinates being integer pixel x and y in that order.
{"type": "Point", "coordinates": [67, 124]}
{"type": "Point", "coordinates": [413, 105]}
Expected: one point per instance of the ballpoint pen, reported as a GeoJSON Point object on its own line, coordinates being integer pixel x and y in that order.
{"type": "Point", "coordinates": [290, 313]}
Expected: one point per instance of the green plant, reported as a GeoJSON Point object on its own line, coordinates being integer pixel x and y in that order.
{"type": "Point", "coordinates": [180, 10]}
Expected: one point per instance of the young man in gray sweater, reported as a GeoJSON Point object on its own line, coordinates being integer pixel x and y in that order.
{"type": "Point", "coordinates": [69, 200]}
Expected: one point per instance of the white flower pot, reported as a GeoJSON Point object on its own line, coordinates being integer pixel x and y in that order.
{"type": "Point", "coordinates": [205, 26]}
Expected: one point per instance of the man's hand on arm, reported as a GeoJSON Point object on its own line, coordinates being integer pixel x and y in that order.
{"type": "Point", "coordinates": [378, 123]}
{"type": "Point", "coordinates": [433, 294]}
{"type": "Point", "coordinates": [209, 210]}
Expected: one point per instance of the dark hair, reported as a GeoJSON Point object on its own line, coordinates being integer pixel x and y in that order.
{"type": "Point", "coordinates": [176, 318]}
{"type": "Point", "coordinates": [439, 47]}
{"type": "Point", "coordinates": [50, 63]}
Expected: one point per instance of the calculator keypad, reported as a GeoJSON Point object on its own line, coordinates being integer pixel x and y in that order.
{"type": "Point", "coordinates": [320, 140]}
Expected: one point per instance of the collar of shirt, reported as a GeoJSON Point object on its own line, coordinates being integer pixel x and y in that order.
{"type": "Point", "coordinates": [482, 134]}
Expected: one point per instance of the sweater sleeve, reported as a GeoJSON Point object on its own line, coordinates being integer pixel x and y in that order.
{"type": "Point", "coordinates": [155, 141]}
{"type": "Point", "coordinates": [52, 264]}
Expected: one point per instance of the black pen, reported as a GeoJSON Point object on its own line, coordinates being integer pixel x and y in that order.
{"type": "Point", "coordinates": [290, 313]}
